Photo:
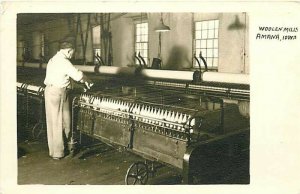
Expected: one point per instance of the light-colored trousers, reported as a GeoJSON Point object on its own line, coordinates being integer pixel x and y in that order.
{"type": "Point", "coordinates": [58, 119]}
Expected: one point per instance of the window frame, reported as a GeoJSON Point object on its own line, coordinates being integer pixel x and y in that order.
{"type": "Point", "coordinates": [136, 22]}
{"type": "Point", "coordinates": [213, 67]}
{"type": "Point", "coordinates": [93, 44]}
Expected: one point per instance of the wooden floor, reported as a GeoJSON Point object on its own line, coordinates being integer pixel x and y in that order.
{"type": "Point", "coordinates": [100, 165]}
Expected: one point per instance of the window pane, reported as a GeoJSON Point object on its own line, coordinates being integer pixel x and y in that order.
{"type": "Point", "coordinates": [216, 33]}
{"type": "Point", "coordinates": [210, 33]}
{"type": "Point", "coordinates": [203, 44]}
{"type": "Point", "coordinates": [216, 54]}
{"type": "Point", "coordinates": [209, 52]}
{"type": "Point", "coordinates": [145, 46]}
{"type": "Point", "coordinates": [209, 61]}
{"type": "Point", "coordinates": [142, 40]}
{"type": "Point", "coordinates": [211, 24]}
{"type": "Point", "coordinates": [198, 34]}
{"type": "Point", "coordinates": [96, 36]}
{"type": "Point", "coordinates": [203, 52]}
{"type": "Point", "coordinates": [204, 34]}
{"type": "Point", "coordinates": [209, 43]}
{"type": "Point", "coordinates": [197, 52]}
{"type": "Point", "coordinates": [197, 43]}
{"type": "Point", "coordinates": [216, 43]}
{"type": "Point", "coordinates": [204, 25]}
{"type": "Point", "coordinates": [141, 52]}
{"type": "Point", "coordinates": [97, 52]}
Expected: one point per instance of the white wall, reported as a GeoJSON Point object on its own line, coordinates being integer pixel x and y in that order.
{"type": "Point", "coordinates": [123, 42]}
{"type": "Point", "coordinates": [177, 43]}
{"type": "Point", "coordinates": [232, 44]}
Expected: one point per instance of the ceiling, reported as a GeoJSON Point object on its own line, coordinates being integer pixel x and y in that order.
{"type": "Point", "coordinates": [33, 18]}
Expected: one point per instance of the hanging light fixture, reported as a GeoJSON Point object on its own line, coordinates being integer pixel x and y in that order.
{"type": "Point", "coordinates": [237, 25]}
{"type": "Point", "coordinates": [162, 27]}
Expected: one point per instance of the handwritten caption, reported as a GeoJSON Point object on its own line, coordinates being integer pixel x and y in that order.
{"type": "Point", "coordinates": [277, 33]}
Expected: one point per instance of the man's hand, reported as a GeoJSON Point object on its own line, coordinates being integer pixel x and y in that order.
{"type": "Point", "coordinates": [83, 79]}
{"type": "Point", "coordinates": [88, 84]}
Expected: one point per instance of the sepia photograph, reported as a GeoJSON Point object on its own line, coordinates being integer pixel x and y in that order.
{"type": "Point", "coordinates": [133, 98]}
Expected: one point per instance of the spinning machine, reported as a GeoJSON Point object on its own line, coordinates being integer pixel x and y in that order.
{"type": "Point", "coordinates": [175, 118]}
{"type": "Point", "coordinates": [30, 104]}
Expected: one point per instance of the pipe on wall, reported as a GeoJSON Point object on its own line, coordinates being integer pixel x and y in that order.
{"type": "Point", "coordinates": [107, 70]}
{"type": "Point", "coordinates": [111, 70]}
{"type": "Point", "coordinates": [167, 74]}
{"type": "Point", "coordinates": [233, 78]}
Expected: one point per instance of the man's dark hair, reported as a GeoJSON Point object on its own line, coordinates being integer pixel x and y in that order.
{"type": "Point", "coordinates": [66, 43]}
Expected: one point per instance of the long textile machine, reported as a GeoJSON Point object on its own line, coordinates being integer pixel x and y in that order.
{"type": "Point", "coordinates": [173, 117]}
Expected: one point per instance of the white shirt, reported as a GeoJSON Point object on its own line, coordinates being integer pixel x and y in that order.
{"type": "Point", "coordinates": [59, 70]}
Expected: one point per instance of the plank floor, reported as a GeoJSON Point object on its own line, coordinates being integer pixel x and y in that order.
{"type": "Point", "coordinates": [101, 166]}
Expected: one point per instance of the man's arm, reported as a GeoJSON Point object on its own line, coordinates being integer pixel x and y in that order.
{"type": "Point", "coordinates": [88, 83]}
{"type": "Point", "coordinates": [73, 72]}
{"type": "Point", "coordinates": [78, 75]}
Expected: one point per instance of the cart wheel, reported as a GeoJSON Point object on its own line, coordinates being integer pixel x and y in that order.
{"type": "Point", "coordinates": [137, 173]}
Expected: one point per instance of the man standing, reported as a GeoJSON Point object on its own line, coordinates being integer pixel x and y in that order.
{"type": "Point", "coordinates": [58, 73]}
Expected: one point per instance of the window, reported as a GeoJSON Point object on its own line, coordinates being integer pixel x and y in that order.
{"type": "Point", "coordinates": [207, 42]}
{"type": "Point", "coordinates": [141, 41]}
{"type": "Point", "coordinates": [96, 42]}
